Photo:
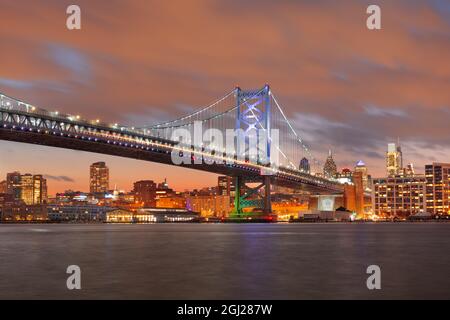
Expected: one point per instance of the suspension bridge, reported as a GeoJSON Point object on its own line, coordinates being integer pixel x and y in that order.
{"type": "Point", "coordinates": [243, 110]}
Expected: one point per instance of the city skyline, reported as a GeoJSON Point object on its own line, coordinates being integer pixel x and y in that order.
{"type": "Point", "coordinates": [403, 168]}
{"type": "Point", "coordinates": [332, 96]}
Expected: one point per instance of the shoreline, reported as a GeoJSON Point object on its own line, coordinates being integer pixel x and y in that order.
{"type": "Point", "coordinates": [222, 222]}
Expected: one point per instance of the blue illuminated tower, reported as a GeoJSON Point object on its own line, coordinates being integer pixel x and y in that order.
{"type": "Point", "coordinates": [253, 113]}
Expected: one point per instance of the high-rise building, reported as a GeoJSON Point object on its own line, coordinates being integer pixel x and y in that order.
{"type": "Point", "coordinates": [99, 178]}
{"type": "Point", "coordinates": [438, 188]}
{"type": "Point", "coordinates": [39, 189]}
{"type": "Point", "coordinates": [409, 170]}
{"type": "Point", "coordinates": [399, 196]}
{"type": "Point", "coordinates": [31, 189]}
{"type": "Point", "coordinates": [394, 160]}
{"type": "Point", "coordinates": [3, 187]}
{"type": "Point", "coordinates": [27, 188]}
{"type": "Point", "coordinates": [366, 178]}
{"type": "Point", "coordinates": [13, 184]}
{"type": "Point", "coordinates": [358, 182]}
{"type": "Point", "coordinates": [145, 193]}
{"type": "Point", "coordinates": [304, 165]}
{"type": "Point", "coordinates": [330, 168]}
{"type": "Point", "coordinates": [226, 186]}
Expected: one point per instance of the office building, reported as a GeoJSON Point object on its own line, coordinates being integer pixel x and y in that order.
{"type": "Point", "coordinates": [330, 168]}
{"type": "Point", "coordinates": [399, 196]}
{"type": "Point", "coordinates": [437, 188]}
{"type": "Point", "coordinates": [99, 178]}
{"type": "Point", "coordinates": [79, 212]}
{"type": "Point", "coordinates": [39, 189]}
{"type": "Point", "coordinates": [31, 189]}
{"type": "Point", "coordinates": [226, 186]}
{"type": "Point", "coordinates": [209, 206]}
{"type": "Point", "coordinates": [174, 202]}
{"type": "Point", "coordinates": [145, 193]}
{"type": "Point", "coordinates": [394, 160]}
{"type": "Point", "coordinates": [366, 178]}
{"type": "Point", "coordinates": [13, 184]}
{"type": "Point", "coordinates": [304, 165]}
{"type": "Point", "coordinates": [27, 188]}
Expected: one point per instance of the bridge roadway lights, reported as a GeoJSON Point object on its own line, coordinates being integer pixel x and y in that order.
{"type": "Point", "coordinates": [247, 197]}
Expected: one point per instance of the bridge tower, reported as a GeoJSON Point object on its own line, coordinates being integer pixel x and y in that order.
{"type": "Point", "coordinates": [253, 113]}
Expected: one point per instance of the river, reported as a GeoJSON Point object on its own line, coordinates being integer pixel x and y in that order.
{"type": "Point", "coordinates": [225, 261]}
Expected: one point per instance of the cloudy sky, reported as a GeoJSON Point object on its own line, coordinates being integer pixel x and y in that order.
{"type": "Point", "coordinates": [138, 62]}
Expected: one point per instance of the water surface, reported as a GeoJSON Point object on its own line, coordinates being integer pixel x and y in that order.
{"type": "Point", "coordinates": [225, 261]}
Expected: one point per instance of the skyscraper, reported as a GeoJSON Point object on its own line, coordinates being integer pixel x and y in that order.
{"type": "Point", "coordinates": [13, 184]}
{"type": "Point", "coordinates": [27, 188]}
{"type": "Point", "coordinates": [330, 168]}
{"type": "Point", "coordinates": [366, 178]}
{"type": "Point", "coordinates": [304, 165]}
{"type": "Point", "coordinates": [31, 189]}
{"type": "Point", "coordinates": [226, 186]}
{"type": "Point", "coordinates": [99, 178]}
{"type": "Point", "coordinates": [394, 161]}
{"type": "Point", "coordinates": [39, 189]}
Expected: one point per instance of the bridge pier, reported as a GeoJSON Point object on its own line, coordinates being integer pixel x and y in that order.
{"type": "Point", "coordinates": [250, 197]}
{"type": "Point", "coordinates": [267, 198]}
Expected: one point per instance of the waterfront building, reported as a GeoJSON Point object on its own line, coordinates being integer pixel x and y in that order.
{"type": "Point", "coordinates": [80, 212]}
{"type": "Point", "coordinates": [27, 188]}
{"type": "Point", "coordinates": [176, 201]}
{"type": "Point", "coordinates": [438, 188]}
{"type": "Point", "coordinates": [70, 197]}
{"type": "Point", "coordinates": [209, 205]}
{"type": "Point", "coordinates": [151, 215]}
{"type": "Point", "coordinates": [99, 178]}
{"type": "Point", "coordinates": [39, 189]}
{"type": "Point", "coordinates": [6, 198]}
{"type": "Point", "coordinates": [163, 191]}
{"type": "Point", "coordinates": [226, 186]}
{"type": "Point", "coordinates": [145, 193]}
{"type": "Point", "coordinates": [13, 184]}
{"type": "Point", "coordinates": [120, 216]}
{"type": "Point", "coordinates": [18, 211]}
{"type": "Point", "coordinates": [31, 189]}
{"type": "Point", "coordinates": [399, 196]}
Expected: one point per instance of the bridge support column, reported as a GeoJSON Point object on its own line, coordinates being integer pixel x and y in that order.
{"type": "Point", "coordinates": [267, 198]}
{"type": "Point", "coordinates": [251, 198]}
{"type": "Point", "coordinates": [237, 196]}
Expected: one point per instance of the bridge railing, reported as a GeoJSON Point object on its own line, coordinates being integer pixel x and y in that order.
{"type": "Point", "coordinates": [9, 103]}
